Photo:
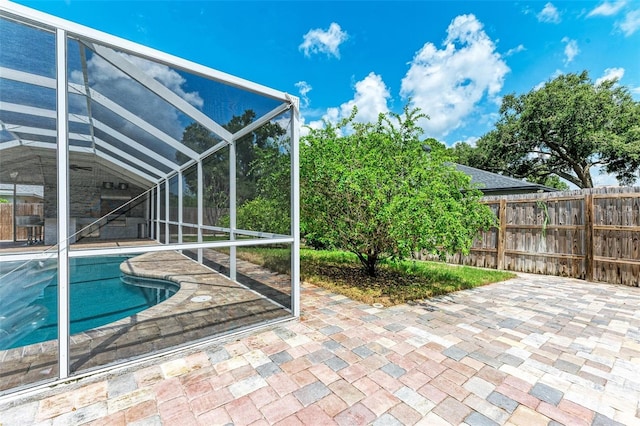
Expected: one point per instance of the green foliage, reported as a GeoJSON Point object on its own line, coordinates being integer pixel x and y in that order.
{"type": "Point", "coordinates": [263, 214]}
{"type": "Point", "coordinates": [377, 193]}
{"type": "Point", "coordinates": [3, 200]}
{"type": "Point", "coordinates": [215, 177]}
{"type": "Point", "coordinates": [542, 206]}
{"type": "Point", "coordinates": [563, 129]}
{"type": "Point", "coordinates": [553, 181]}
{"type": "Point", "coordinates": [262, 176]}
{"type": "Point", "coordinates": [398, 281]}
{"type": "Point", "coordinates": [252, 159]}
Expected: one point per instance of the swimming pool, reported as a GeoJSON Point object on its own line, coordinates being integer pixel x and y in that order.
{"type": "Point", "coordinates": [99, 294]}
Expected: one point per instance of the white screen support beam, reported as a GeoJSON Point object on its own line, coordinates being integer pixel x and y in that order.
{"type": "Point", "coordinates": [295, 211]}
{"type": "Point", "coordinates": [63, 206]}
{"type": "Point", "coordinates": [180, 199]}
{"type": "Point", "coordinates": [242, 132]}
{"type": "Point", "coordinates": [24, 109]}
{"type": "Point", "coordinates": [158, 207]}
{"type": "Point", "coordinates": [200, 208]}
{"type": "Point", "coordinates": [126, 148]}
{"type": "Point", "coordinates": [167, 228]}
{"type": "Point", "coordinates": [261, 121]}
{"type": "Point", "coordinates": [141, 50]}
{"type": "Point", "coordinates": [147, 127]}
{"type": "Point", "coordinates": [149, 213]}
{"type": "Point", "coordinates": [232, 209]}
{"type": "Point", "coordinates": [132, 71]}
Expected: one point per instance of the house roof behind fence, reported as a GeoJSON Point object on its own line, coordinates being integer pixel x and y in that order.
{"type": "Point", "coordinates": [491, 183]}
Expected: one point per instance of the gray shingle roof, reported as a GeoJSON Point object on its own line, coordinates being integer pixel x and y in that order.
{"type": "Point", "coordinates": [491, 182]}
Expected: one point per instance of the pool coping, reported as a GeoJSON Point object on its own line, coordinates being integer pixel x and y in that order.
{"type": "Point", "coordinates": [163, 321]}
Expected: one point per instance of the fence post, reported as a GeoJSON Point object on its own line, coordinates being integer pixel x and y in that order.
{"type": "Point", "coordinates": [588, 236]}
{"type": "Point", "coordinates": [502, 232]}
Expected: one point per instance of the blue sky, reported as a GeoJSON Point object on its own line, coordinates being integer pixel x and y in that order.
{"type": "Point", "coordinates": [453, 59]}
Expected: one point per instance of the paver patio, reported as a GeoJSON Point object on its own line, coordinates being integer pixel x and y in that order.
{"type": "Point", "coordinates": [532, 350]}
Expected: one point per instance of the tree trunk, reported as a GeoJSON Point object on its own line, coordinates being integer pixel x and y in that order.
{"type": "Point", "coordinates": [370, 265]}
{"type": "Point", "coordinates": [369, 262]}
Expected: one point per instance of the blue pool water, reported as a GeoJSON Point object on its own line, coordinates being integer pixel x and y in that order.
{"type": "Point", "coordinates": [98, 295]}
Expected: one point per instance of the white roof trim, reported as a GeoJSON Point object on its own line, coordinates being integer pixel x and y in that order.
{"type": "Point", "coordinates": [7, 106]}
{"type": "Point", "coordinates": [85, 150]}
{"type": "Point", "coordinates": [156, 87]}
{"type": "Point", "coordinates": [144, 125]}
{"type": "Point", "coordinates": [144, 150]}
{"type": "Point", "coordinates": [156, 55]}
{"type": "Point", "coordinates": [16, 128]}
{"type": "Point", "coordinates": [125, 166]}
{"type": "Point", "coordinates": [25, 77]}
{"type": "Point", "coordinates": [97, 97]}
{"type": "Point", "coordinates": [262, 120]}
{"type": "Point", "coordinates": [129, 157]}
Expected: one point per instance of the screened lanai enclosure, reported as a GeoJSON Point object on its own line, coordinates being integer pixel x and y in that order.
{"type": "Point", "coordinates": [163, 207]}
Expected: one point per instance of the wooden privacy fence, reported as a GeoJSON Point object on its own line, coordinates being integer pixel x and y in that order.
{"type": "Point", "coordinates": [589, 234]}
{"type": "Point", "coordinates": [6, 219]}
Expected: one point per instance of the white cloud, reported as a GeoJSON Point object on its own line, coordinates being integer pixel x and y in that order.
{"type": "Point", "coordinates": [630, 23]}
{"type": "Point", "coordinates": [113, 83]}
{"type": "Point", "coordinates": [320, 41]}
{"type": "Point", "coordinates": [549, 13]}
{"type": "Point", "coordinates": [303, 89]}
{"type": "Point", "coordinates": [519, 48]}
{"type": "Point", "coordinates": [607, 8]}
{"type": "Point", "coordinates": [448, 83]}
{"type": "Point", "coordinates": [100, 71]}
{"type": "Point", "coordinates": [169, 78]}
{"type": "Point", "coordinates": [610, 74]}
{"type": "Point", "coordinates": [370, 97]}
{"type": "Point", "coordinates": [571, 49]}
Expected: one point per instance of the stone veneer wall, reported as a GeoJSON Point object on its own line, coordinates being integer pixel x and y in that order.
{"type": "Point", "coordinates": [85, 197]}
{"type": "Point", "coordinates": [85, 200]}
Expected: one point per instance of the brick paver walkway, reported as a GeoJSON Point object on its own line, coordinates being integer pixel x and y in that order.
{"type": "Point", "coordinates": [534, 350]}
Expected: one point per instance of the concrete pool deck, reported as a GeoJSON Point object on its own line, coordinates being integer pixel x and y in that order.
{"type": "Point", "coordinates": [534, 350]}
{"type": "Point", "coordinates": [184, 318]}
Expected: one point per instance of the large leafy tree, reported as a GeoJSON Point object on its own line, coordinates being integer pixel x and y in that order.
{"type": "Point", "coordinates": [260, 156]}
{"type": "Point", "coordinates": [564, 129]}
{"type": "Point", "coordinates": [215, 177]}
{"type": "Point", "coordinates": [372, 189]}
{"type": "Point", "coordinates": [249, 149]}
{"type": "Point", "coordinates": [270, 172]}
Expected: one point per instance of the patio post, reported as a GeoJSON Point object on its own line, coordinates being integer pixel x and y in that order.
{"type": "Point", "coordinates": [200, 207]}
{"type": "Point", "coordinates": [232, 209]}
{"type": "Point", "coordinates": [14, 178]}
{"type": "Point", "coordinates": [63, 204]}
{"type": "Point", "coordinates": [295, 210]}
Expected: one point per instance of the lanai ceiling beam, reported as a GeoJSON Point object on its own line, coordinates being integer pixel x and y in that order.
{"type": "Point", "coordinates": [156, 87]}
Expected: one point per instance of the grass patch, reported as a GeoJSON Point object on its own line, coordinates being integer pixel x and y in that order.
{"type": "Point", "coordinates": [397, 282]}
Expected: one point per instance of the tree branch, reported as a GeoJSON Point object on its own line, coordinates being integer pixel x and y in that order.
{"type": "Point", "coordinates": [574, 180]}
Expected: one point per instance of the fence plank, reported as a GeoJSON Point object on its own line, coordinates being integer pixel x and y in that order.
{"type": "Point", "coordinates": [502, 217]}
{"type": "Point", "coordinates": [591, 234]}
{"type": "Point", "coordinates": [6, 219]}
{"type": "Point", "coordinates": [588, 226]}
